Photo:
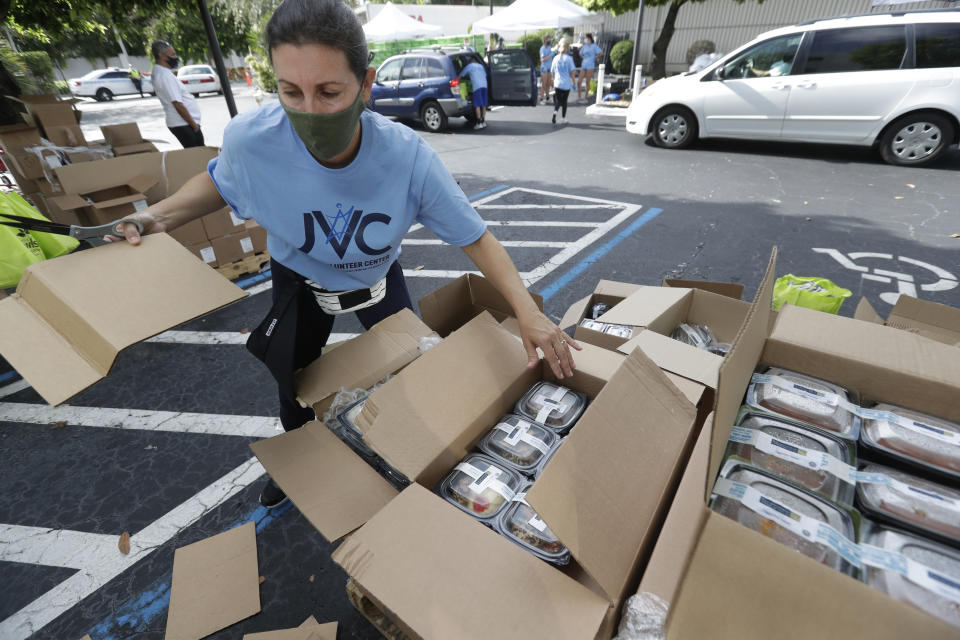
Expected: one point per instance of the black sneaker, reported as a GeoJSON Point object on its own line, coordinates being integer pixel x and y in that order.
{"type": "Point", "coordinates": [271, 495]}
{"type": "Point", "coordinates": [554, 118]}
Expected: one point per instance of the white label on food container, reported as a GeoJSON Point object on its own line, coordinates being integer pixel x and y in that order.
{"type": "Point", "coordinates": [537, 523]}
{"type": "Point", "coordinates": [521, 433]}
{"type": "Point", "coordinates": [932, 580]}
{"type": "Point", "coordinates": [619, 330]}
{"type": "Point", "coordinates": [587, 323]}
{"type": "Point", "coordinates": [246, 244]}
{"type": "Point", "coordinates": [483, 480]}
{"type": "Point", "coordinates": [551, 403]}
{"type": "Point", "coordinates": [804, 526]}
{"type": "Point", "coordinates": [140, 205]}
{"type": "Point", "coordinates": [819, 461]}
{"type": "Point", "coordinates": [207, 254]}
{"type": "Point", "coordinates": [924, 495]}
{"type": "Point", "coordinates": [826, 397]}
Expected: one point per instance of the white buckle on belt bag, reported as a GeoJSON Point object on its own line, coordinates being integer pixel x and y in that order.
{"type": "Point", "coordinates": [337, 302]}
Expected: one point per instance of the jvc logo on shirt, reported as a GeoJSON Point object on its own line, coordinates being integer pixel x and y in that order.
{"type": "Point", "coordinates": [340, 229]}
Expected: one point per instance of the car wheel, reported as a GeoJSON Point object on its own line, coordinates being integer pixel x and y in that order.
{"type": "Point", "coordinates": [104, 94]}
{"type": "Point", "coordinates": [432, 116]}
{"type": "Point", "coordinates": [674, 128]}
{"type": "Point", "coordinates": [916, 139]}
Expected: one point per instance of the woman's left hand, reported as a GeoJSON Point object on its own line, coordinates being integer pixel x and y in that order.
{"type": "Point", "coordinates": [536, 330]}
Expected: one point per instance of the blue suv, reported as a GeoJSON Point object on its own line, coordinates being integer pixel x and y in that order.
{"type": "Point", "coordinates": [424, 84]}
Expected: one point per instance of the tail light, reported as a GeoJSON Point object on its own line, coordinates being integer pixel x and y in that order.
{"type": "Point", "coordinates": [77, 82]}
{"type": "Point", "coordinates": [455, 83]}
{"type": "Point", "coordinates": [184, 81]}
{"type": "Point", "coordinates": [206, 79]}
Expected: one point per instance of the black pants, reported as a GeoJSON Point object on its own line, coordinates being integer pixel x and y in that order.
{"type": "Point", "coordinates": [187, 136]}
{"type": "Point", "coordinates": [138, 84]}
{"type": "Point", "coordinates": [560, 100]}
{"type": "Point", "coordinates": [318, 325]}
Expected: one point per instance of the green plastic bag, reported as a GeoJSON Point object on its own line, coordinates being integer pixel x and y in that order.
{"type": "Point", "coordinates": [20, 248]}
{"type": "Point", "coordinates": [466, 88]}
{"type": "Point", "coordinates": [813, 293]}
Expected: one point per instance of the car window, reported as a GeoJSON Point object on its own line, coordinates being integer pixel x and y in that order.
{"type": "Point", "coordinates": [509, 60]}
{"type": "Point", "coordinates": [435, 69]}
{"type": "Point", "coordinates": [769, 58]}
{"type": "Point", "coordinates": [412, 69]}
{"type": "Point", "coordinates": [938, 45]}
{"type": "Point", "coordinates": [862, 49]}
{"type": "Point", "coordinates": [117, 74]}
{"type": "Point", "coordinates": [390, 71]}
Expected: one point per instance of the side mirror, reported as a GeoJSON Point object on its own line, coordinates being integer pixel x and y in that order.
{"type": "Point", "coordinates": [718, 74]}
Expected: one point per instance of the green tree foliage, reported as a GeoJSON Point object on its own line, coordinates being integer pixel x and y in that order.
{"type": "Point", "coordinates": [621, 55]}
{"type": "Point", "coordinates": [660, 45]}
{"type": "Point", "coordinates": [40, 66]}
{"type": "Point", "coordinates": [13, 64]}
{"type": "Point", "coordinates": [184, 29]}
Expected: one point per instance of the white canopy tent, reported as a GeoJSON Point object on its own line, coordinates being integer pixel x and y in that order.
{"type": "Point", "coordinates": [393, 24]}
{"type": "Point", "coordinates": [533, 15]}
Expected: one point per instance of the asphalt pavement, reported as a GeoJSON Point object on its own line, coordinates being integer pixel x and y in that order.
{"type": "Point", "coordinates": [154, 448]}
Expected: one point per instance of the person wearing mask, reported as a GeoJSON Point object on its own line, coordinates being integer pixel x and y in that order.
{"type": "Point", "coordinates": [179, 106]}
{"type": "Point", "coordinates": [590, 52]}
{"type": "Point", "coordinates": [478, 80]}
{"type": "Point", "coordinates": [135, 79]}
{"type": "Point", "coordinates": [546, 73]}
{"type": "Point", "coordinates": [346, 186]}
{"type": "Point", "coordinates": [564, 75]}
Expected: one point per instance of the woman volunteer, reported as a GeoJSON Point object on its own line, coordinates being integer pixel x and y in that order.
{"type": "Point", "coordinates": [337, 187]}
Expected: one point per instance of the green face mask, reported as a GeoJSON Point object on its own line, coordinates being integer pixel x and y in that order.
{"type": "Point", "coordinates": [327, 135]}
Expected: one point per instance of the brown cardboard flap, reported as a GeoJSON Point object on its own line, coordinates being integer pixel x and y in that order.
{"type": "Point", "coordinates": [680, 358]}
{"type": "Point", "coordinates": [423, 422]}
{"type": "Point", "coordinates": [215, 584]}
{"type": "Point", "coordinates": [775, 584]}
{"type": "Point", "coordinates": [362, 362]}
{"type": "Point", "coordinates": [326, 631]}
{"type": "Point", "coordinates": [650, 307]}
{"type": "Point", "coordinates": [121, 134]}
{"type": "Point", "coordinates": [929, 319]}
{"type": "Point", "coordinates": [723, 315]}
{"type": "Point", "coordinates": [606, 484]}
{"type": "Point", "coordinates": [69, 202]}
{"type": "Point", "coordinates": [867, 313]}
{"type": "Point", "coordinates": [728, 289]}
{"type": "Point", "coordinates": [453, 305]}
{"type": "Point", "coordinates": [448, 576]}
{"type": "Point", "coordinates": [333, 487]}
{"type": "Point", "coordinates": [42, 355]}
{"type": "Point", "coordinates": [575, 312]}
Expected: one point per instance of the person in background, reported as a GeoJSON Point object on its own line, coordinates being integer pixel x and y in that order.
{"type": "Point", "coordinates": [135, 79]}
{"type": "Point", "coordinates": [564, 75]}
{"type": "Point", "coordinates": [478, 79]}
{"type": "Point", "coordinates": [179, 105]}
{"type": "Point", "coordinates": [546, 75]}
{"type": "Point", "coordinates": [590, 52]}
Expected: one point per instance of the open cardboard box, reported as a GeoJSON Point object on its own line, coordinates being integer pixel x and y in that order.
{"type": "Point", "coordinates": [62, 329]}
{"type": "Point", "coordinates": [730, 289]}
{"type": "Point", "coordinates": [928, 319]}
{"type": "Point", "coordinates": [106, 204]}
{"type": "Point", "coordinates": [608, 292]}
{"type": "Point", "coordinates": [456, 303]}
{"type": "Point", "coordinates": [732, 581]}
{"type": "Point", "coordinates": [436, 570]}
{"type": "Point", "coordinates": [126, 139]}
{"type": "Point", "coordinates": [58, 123]}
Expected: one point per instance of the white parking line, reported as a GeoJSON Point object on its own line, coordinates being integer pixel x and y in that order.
{"type": "Point", "coordinates": [507, 243]}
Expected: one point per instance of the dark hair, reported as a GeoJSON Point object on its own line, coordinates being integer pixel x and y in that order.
{"type": "Point", "coordinates": [158, 47]}
{"type": "Point", "coordinates": [329, 22]}
{"type": "Point", "coordinates": [590, 35]}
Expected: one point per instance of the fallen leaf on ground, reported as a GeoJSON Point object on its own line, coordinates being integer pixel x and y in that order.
{"type": "Point", "coordinates": [244, 330]}
{"type": "Point", "coordinates": [898, 197]}
{"type": "Point", "coordinates": [808, 219]}
{"type": "Point", "coordinates": [124, 544]}
{"type": "Point", "coordinates": [955, 235]}
{"type": "Point", "coordinates": [262, 579]}
{"type": "Point", "coordinates": [59, 425]}
{"type": "Point", "coordinates": [911, 186]}
{"type": "Point", "coordinates": [418, 268]}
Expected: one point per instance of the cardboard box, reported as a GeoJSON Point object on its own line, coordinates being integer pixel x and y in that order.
{"type": "Point", "coordinates": [739, 584]}
{"type": "Point", "coordinates": [730, 289]}
{"type": "Point", "coordinates": [126, 139]}
{"type": "Point", "coordinates": [106, 204]}
{"type": "Point", "coordinates": [454, 304]}
{"type": "Point", "coordinates": [928, 319]}
{"type": "Point", "coordinates": [436, 570]}
{"type": "Point", "coordinates": [58, 123]}
{"type": "Point", "coordinates": [237, 246]}
{"type": "Point", "coordinates": [221, 223]}
{"type": "Point", "coordinates": [64, 327]}
{"type": "Point", "coordinates": [205, 252]}
{"type": "Point", "coordinates": [191, 233]}
{"type": "Point", "coordinates": [608, 292]}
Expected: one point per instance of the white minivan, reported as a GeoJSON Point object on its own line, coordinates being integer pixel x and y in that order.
{"type": "Point", "coordinates": [890, 79]}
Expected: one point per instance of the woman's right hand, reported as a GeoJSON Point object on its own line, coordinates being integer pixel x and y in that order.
{"type": "Point", "coordinates": [150, 225]}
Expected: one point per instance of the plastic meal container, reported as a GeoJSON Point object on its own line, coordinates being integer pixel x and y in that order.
{"type": "Point", "coordinates": [587, 323]}
{"type": "Point", "coordinates": [481, 486]}
{"type": "Point", "coordinates": [552, 405]}
{"type": "Point", "coordinates": [695, 335]}
{"type": "Point", "coordinates": [519, 523]}
{"type": "Point", "coordinates": [519, 443]}
{"type": "Point", "coordinates": [795, 453]}
{"type": "Point", "coordinates": [350, 434]}
{"type": "Point", "coordinates": [806, 399]}
{"type": "Point", "coordinates": [619, 330]}
{"type": "Point", "coordinates": [790, 500]}
{"type": "Point", "coordinates": [916, 438]}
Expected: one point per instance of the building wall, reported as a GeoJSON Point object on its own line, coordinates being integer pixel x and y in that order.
{"type": "Point", "coordinates": [77, 67]}
{"type": "Point", "coordinates": [730, 24]}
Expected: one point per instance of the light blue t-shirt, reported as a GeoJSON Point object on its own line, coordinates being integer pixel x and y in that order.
{"type": "Point", "coordinates": [478, 75]}
{"type": "Point", "coordinates": [562, 67]}
{"type": "Point", "coordinates": [546, 57]}
{"type": "Point", "coordinates": [589, 54]}
{"type": "Point", "coordinates": [342, 228]}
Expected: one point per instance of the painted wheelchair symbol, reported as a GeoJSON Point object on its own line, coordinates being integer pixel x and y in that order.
{"type": "Point", "coordinates": [906, 283]}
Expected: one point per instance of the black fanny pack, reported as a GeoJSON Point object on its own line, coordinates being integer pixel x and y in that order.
{"type": "Point", "coordinates": [274, 340]}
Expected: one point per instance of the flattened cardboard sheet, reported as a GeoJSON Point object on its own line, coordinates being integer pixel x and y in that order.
{"type": "Point", "coordinates": [728, 289]}
{"type": "Point", "coordinates": [614, 473]}
{"type": "Point", "coordinates": [448, 576]}
{"type": "Point", "coordinates": [305, 631]}
{"type": "Point", "coordinates": [675, 356]}
{"type": "Point", "coordinates": [333, 487]}
{"type": "Point", "coordinates": [216, 582]}
{"type": "Point", "coordinates": [928, 319]}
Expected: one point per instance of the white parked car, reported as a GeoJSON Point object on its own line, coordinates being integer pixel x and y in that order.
{"type": "Point", "coordinates": [104, 84]}
{"type": "Point", "coordinates": [199, 78]}
{"type": "Point", "coordinates": [890, 80]}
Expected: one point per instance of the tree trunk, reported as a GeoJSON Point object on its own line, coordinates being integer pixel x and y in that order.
{"type": "Point", "coordinates": [663, 40]}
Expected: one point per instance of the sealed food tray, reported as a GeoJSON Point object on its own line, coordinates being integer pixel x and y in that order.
{"type": "Point", "coordinates": [794, 451]}
{"type": "Point", "coordinates": [944, 560]}
{"type": "Point", "coordinates": [350, 434]}
{"type": "Point", "coordinates": [552, 405]}
{"type": "Point", "coordinates": [546, 459]}
{"type": "Point", "coordinates": [695, 335]}
{"type": "Point", "coordinates": [807, 399]}
{"type": "Point", "coordinates": [918, 439]}
{"type": "Point", "coordinates": [519, 442]}
{"type": "Point", "coordinates": [520, 524]}
{"type": "Point", "coordinates": [798, 506]}
{"type": "Point", "coordinates": [481, 486]}
{"type": "Point", "coordinates": [910, 502]}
